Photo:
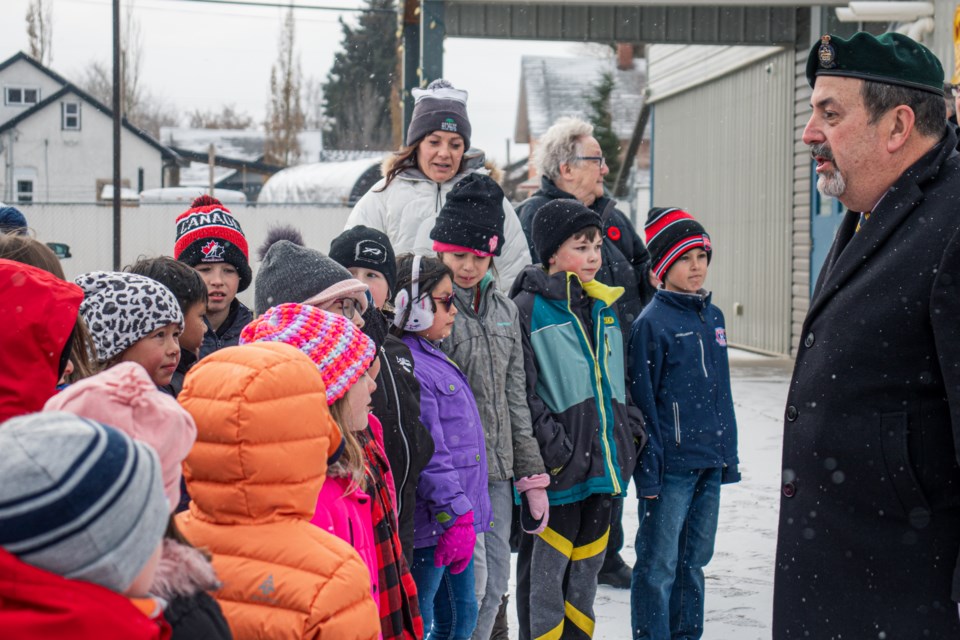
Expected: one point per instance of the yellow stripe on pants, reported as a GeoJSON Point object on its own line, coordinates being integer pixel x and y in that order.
{"type": "Point", "coordinates": [591, 549]}
{"type": "Point", "coordinates": [580, 619]}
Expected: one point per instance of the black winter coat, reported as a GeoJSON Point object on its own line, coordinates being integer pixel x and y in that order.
{"type": "Point", "coordinates": [626, 261]}
{"type": "Point", "coordinates": [870, 508]}
{"type": "Point", "coordinates": [196, 617]}
{"type": "Point", "coordinates": [407, 443]}
{"type": "Point", "coordinates": [228, 335]}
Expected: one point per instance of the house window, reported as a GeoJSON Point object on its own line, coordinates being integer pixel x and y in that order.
{"type": "Point", "coordinates": [70, 116]}
{"type": "Point", "coordinates": [21, 96]}
{"type": "Point", "coordinates": [24, 190]}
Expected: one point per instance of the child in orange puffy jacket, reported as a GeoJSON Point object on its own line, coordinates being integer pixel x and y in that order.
{"type": "Point", "coordinates": [264, 435]}
{"type": "Point", "coordinates": [357, 501]}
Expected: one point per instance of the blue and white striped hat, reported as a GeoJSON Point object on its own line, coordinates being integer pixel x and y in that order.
{"type": "Point", "coordinates": [79, 499]}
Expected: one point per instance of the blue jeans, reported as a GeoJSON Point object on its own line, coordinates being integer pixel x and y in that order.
{"type": "Point", "coordinates": [674, 543]}
{"type": "Point", "coordinates": [447, 601]}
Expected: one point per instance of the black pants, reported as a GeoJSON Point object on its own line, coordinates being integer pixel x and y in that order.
{"type": "Point", "coordinates": [612, 560]}
{"type": "Point", "coordinates": [571, 550]}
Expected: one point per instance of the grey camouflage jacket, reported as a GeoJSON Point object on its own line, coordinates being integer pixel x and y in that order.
{"type": "Point", "coordinates": [488, 349]}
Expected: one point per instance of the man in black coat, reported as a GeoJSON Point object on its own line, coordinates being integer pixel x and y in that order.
{"type": "Point", "coordinates": [573, 167]}
{"type": "Point", "coordinates": [870, 508]}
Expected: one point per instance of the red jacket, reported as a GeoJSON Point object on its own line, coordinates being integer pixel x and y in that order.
{"type": "Point", "coordinates": [39, 312]}
{"type": "Point", "coordinates": [37, 604]}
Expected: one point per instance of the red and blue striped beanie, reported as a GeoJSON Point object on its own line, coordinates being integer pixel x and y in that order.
{"type": "Point", "coordinates": [671, 232]}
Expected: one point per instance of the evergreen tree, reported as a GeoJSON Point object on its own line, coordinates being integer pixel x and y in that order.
{"type": "Point", "coordinates": [359, 88]}
{"type": "Point", "coordinates": [602, 121]}
{"type": "Point", "coordinates": [285, 117]}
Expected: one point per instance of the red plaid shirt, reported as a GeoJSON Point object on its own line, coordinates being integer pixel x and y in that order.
{"type": "Point", "coordinates": [399, 611]}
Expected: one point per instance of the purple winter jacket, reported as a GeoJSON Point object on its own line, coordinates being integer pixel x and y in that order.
{"type": "Point", "coordinates": [455, 480]}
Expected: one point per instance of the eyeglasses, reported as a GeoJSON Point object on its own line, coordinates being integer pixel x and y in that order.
{"type": "Point", "coordinates": [348, 306]}
{"type": "Point", "coordinates": [955, 90]}
{"type": "Point", "coordinates": [598, 159]}
{"type": "Point", "coordinates": [446, 301]}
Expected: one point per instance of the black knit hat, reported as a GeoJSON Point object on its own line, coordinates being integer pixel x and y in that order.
{"type": "Point", "coordinates": [671, 232]}
{"type": "Point", "coordinates": [439, 107]}
{"type": "Point", "coordinates": [207, 232]}
{"type": "Point", "coordinates": [558, 220]}
{"type": "Point", "coordinates": [472, 217]}
{"type": "Point", "coordinates": [368, 248]}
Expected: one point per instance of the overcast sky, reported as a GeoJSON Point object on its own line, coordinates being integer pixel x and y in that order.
{"type": "Point", "coordinates": [205, 55]}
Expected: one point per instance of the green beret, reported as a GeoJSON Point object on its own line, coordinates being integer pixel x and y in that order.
{"type": "Point", "coordinates": [891, 58]}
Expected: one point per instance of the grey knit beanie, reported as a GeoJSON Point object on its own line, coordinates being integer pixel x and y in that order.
{"type": "Point", "coordinates": [79, 499]}
{"type": "Point", "coordinates": [439, 107]}
{"type": "Point", "coordinates": [294, 273]}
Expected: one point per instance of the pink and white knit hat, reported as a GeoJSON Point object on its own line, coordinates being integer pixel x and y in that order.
{"type": "Point", "coordinates": [126, 398]}
{"type": "Point", "coordinates": [341, 351]}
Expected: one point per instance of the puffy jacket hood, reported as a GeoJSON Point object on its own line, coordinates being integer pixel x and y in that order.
{"type": "Point", "coordinates": [264, 434]}
{"type": "Point", "coordinates": [39, 311]}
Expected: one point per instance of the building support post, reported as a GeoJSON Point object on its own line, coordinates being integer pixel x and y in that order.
{"type": "Point", "coordinates": [411, 58]}
{"type": "Point", "coordinates": [432, 32]}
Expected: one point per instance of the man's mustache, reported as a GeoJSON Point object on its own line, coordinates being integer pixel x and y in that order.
{"type": "Point", "coordinates": [821, 151]}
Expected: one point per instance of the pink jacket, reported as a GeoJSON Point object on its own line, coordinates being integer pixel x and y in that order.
{"type": "Point", "coordinates": [349, 518]}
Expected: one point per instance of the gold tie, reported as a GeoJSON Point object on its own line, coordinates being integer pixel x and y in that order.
{"type": "Point", "coordinates": [864, 216]}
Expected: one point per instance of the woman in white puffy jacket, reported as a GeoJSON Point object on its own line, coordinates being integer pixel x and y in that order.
{"type": "Point", "coordinates": [418, 177]}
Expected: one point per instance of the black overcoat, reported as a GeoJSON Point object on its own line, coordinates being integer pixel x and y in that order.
{"type": "Point", "coordinates": [870, 496]}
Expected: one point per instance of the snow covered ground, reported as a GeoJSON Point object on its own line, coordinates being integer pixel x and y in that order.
{"type": "Point", "coordinates": [739, 600]}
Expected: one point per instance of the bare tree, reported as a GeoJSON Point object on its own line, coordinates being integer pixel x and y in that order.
{"type": "Point", "coordinates": [137, 105]}
{"type": "Point", "coordinates": [285, 117]}
{"type": "Point", "coordinates": [227, 118]}
{"type": "Point", "coordinates": [40, 30]}
{"type": "Point", "coordinates": [313, 104]}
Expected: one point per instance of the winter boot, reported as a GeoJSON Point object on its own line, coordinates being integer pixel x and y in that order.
{"type": "Point", "coordinates": [500, 629]}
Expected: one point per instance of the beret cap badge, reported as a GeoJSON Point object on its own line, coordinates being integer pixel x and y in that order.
{"type": "Point", "coordinates": [826, 53]}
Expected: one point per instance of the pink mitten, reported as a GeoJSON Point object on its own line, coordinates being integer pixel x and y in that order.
{"type": "Point", "coordinates": [455, 547]}
{"type": "Point", "coordinates": [533, 497]}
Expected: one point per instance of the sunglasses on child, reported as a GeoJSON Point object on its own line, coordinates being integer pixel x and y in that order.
{"type": "Point", "coordinates": [446, 301]}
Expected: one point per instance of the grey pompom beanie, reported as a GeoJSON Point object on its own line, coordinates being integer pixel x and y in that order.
{"type": "Point", "coordinates": [294, 273]}
{"type": "Point", "coordinates": [80, 499]}
{"type": "Point", "coordinates": [439, 107]}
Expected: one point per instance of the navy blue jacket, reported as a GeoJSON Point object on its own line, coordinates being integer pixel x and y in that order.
{"type": "Point", "coordinates": [680, 379]}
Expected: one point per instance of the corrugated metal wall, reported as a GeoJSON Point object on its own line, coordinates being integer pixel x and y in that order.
{"type": "Point", "coordinates": [802, 191]}
{"type": "Point", "coordinates": [725, 151]}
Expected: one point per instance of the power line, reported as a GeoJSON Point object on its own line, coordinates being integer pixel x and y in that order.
{"type": "Point", "coordinates": [282, 5]}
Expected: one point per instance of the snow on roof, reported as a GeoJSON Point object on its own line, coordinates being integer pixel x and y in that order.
{"type": "Point", "coordinates": [551, 87]}
{"type": "Point", "coordinates": [188, 194]}
{"type": "Point", "coordinates": [321, 182]}
{"type": "Point", "coordinates": [238, 144]}
{"type": "Point", "coordinates": [198, 174]}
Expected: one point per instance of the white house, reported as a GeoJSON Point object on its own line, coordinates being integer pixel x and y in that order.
{"type": "Point", "coordinates": [56, 140]}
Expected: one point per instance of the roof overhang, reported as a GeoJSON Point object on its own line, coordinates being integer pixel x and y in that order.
{"type": "Point", "coordinates": [693, 22]}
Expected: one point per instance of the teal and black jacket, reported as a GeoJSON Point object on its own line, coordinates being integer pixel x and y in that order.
{"type": "Point", "coordinates": [588, 432]}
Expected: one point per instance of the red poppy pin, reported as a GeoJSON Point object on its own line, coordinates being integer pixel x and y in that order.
{"type": "Point", "coordinates": [613, 233]}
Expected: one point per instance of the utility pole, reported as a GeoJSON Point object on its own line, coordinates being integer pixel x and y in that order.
{"type": "Point", "coordinates": [116, 135]}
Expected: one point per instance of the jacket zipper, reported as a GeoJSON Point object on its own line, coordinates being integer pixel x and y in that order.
{"type": "Point", "coordinates": [403, 437]}
{"type": "Point", "coordinates": [614, 476]}
{"type": "Point", "coordinates": [676, 422]}
{"type": "Point", "coordinates": [486, 337]}
{"type": "Point", "coordinates": [703, 357]}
